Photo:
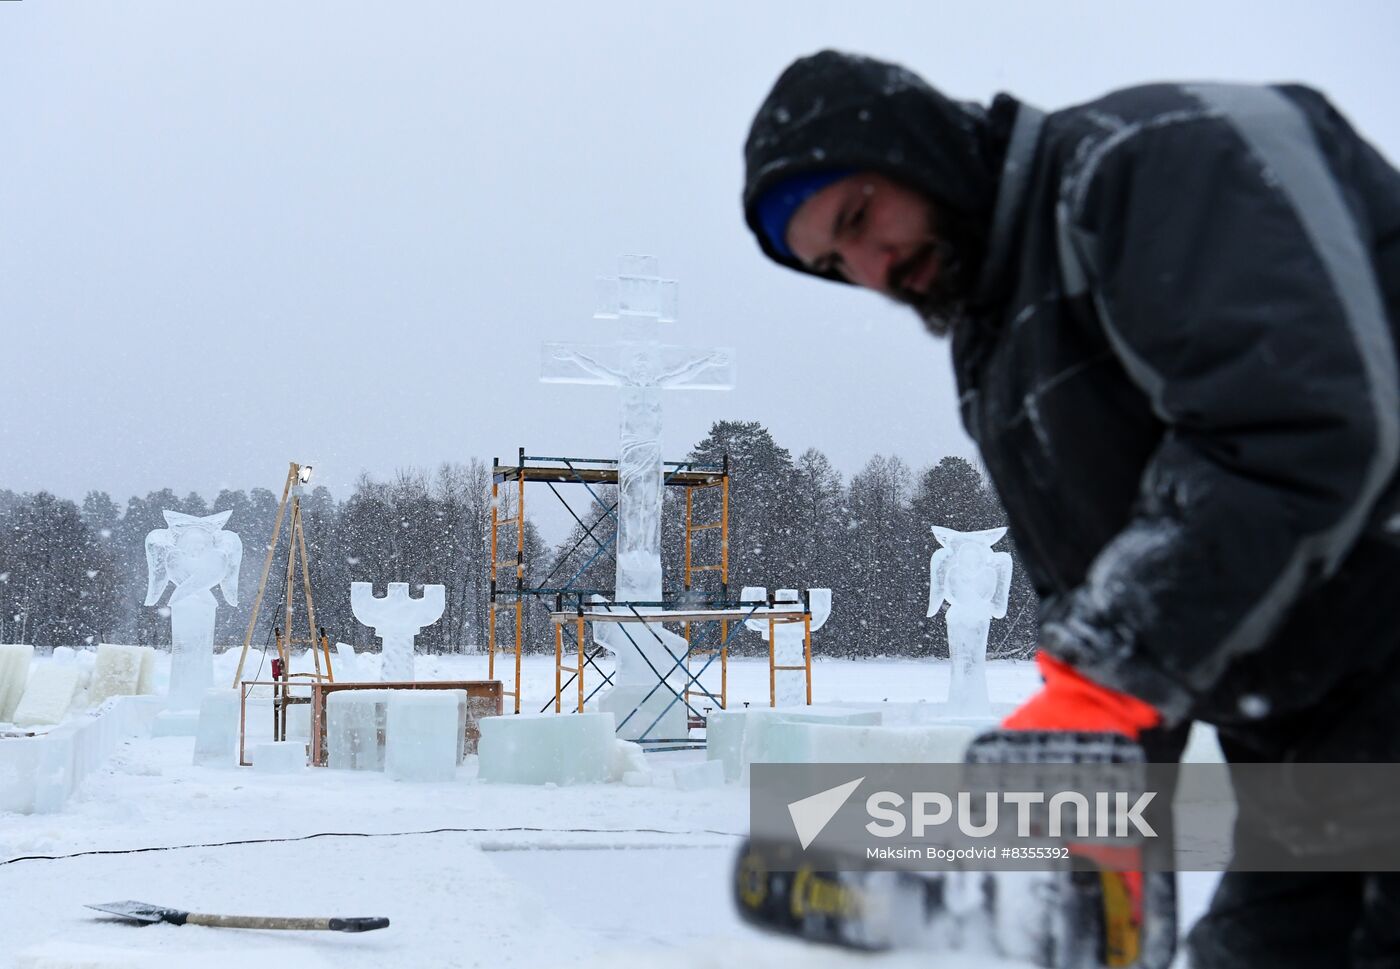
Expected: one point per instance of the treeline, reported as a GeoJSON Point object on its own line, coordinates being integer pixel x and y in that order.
{"type": "Point", "coordinates": [75, 573]}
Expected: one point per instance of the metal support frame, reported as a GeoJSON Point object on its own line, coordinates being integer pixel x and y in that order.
{"type": "Point", "coordinates": [725, 612]}
{"type": "Point", "coordinates": [589, 472]}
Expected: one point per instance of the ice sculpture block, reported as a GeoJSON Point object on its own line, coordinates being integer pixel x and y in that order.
{"type": "Point", "coordinates": [14, 674]}
{"type": "Point", "coordinates": [729, 734]}
{"type": "Point", "coordinates": [195, 554]}
{"type": "Point", "coordinates": [545, 748]}
{"type": "Point", "coordinates": [781, 741]}
{"type": "Point", "coordinates": [216, 736]}
{"type": "Point", "coordinates": [145, 678]}
{"type": "Point", "coordinates": [423, 735]}
{"type": "Point", "coordinates": [279, 757]}
{"type": "Point", "coordinates": [976, 583]}
{"type": "Point", "coordinates": [49, 695]}
{"type": "Point", "coordinates": [355, 729]}
{"type": "Point", "coordinates": [117, 671]}
{"type": "Point", "coordinates": [397, 619]}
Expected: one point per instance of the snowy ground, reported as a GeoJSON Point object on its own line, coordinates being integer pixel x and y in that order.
{"type": "Point", "coordinates": [589, 875]}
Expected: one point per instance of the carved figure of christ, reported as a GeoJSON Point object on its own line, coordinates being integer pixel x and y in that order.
{"type": "Point", "coordinates": [641, 367]}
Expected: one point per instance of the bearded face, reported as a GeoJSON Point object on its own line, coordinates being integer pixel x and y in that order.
{"type": "Point", "coordinates": [871, 231]}
{"type": "Point", "coordinates": [956, 245]}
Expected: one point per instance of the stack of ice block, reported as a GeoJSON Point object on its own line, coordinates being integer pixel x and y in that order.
{"type": "Point", "coordinates": [547, 748]}
{"type": "Point", "coordinates": [145, 679]}
{"type": "Point", "coordinates": [774, 741]}
{"type": "Point", "coordinates": [121, 671]}
{"type": "Point", "coordinates": [423, 734]}
{"type": "Point", "coordinates": [736, 737]}
{"type": "Point", "coordinates": [49, 695]}
{"type": "Point", "coordinates": [355, 721]}
{"type": "Point", "coordinates": [284, 757]}
{"type": "Point", "coordinates": [14, 673]}
{"type": "Point", "coordinates": [217, 734]}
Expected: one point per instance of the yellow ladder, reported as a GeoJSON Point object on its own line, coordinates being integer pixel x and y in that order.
{"type": "Point", "coordinates": [517, 606]}
{"type": "Point", "coordinates": [692, 532]}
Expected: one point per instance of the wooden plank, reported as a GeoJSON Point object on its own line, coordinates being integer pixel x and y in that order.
{"type": "Point", "coordinates": [599, 475]}
{"type": "Point", "coordinates": [267, 568]}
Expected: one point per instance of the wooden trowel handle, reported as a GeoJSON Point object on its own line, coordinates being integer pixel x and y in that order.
{"type": "Point", "coordinates": [269, 922]}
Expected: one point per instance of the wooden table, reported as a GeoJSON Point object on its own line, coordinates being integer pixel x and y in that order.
{"type": "Point", "coordinates": [484, 699]}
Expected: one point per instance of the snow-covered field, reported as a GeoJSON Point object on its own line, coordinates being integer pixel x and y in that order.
{"type": "Point", "coordinates": [531, 876]}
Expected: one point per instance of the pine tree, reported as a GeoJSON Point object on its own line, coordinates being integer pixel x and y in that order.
{"type": "Point", "coordinates": [100, 516]}
{"type": "Point", "coordinates": [879, 591]}
{"type": "Point", "coordinates": [462, 492]}
{"type": "Point", "coordinates": [51, 593]}
{"type": "Point", "coordinates": [817, 532]}
{"type": "Point", "coordinates": [762, 507]}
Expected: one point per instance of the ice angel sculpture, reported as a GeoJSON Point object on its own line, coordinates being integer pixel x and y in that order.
{"type": "Point", "coordinates": [976, 583]}
{"type": "Point", "coordinates": [195, 554]}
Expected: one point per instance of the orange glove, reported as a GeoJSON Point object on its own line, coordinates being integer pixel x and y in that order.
{"type": "Point", "coordinates": [1068, 701]}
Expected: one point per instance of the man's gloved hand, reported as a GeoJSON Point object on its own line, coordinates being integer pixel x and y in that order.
{"type": "Point", "coordinates": [1069, 701]}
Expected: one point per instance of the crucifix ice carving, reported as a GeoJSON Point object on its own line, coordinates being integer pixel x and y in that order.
{"type": "Point", "coordinates": [641, 367]}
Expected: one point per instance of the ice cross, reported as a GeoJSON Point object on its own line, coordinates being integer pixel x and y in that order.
{"type": "Point", "coordinates": [641, 367]}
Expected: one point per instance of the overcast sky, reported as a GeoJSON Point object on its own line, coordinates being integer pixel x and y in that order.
{"type": "Point", "coordinates": [380, 210]}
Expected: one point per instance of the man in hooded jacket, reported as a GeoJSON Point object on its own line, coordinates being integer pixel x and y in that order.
{"type": "Point", "coordinates": [1173, 318]}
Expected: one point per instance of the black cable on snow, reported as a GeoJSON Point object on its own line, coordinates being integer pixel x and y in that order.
{"type": "Point", "coordinates": [367, 834]}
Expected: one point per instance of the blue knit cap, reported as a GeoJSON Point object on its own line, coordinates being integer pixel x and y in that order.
{"type": "Point", "coordinates": [778, 205]}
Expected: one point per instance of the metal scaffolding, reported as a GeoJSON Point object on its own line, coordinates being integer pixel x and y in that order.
{"type": "Point", "coordinates": [722, 611]}
{"type": "Point", "coordinates": [693, 476]}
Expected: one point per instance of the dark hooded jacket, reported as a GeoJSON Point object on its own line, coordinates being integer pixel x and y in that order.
{"type": "Point", "coordinates": [1180, 369]}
